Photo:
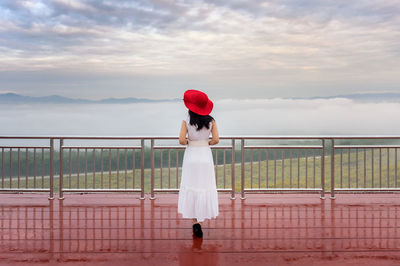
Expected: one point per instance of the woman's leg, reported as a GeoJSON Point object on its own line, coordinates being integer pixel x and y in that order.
{"type": "Point", "coordinates": [195, 221]}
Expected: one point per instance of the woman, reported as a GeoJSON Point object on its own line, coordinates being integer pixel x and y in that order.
{"type": "Point", "coordinates": [198, 197]}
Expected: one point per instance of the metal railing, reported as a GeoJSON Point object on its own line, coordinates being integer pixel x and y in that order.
{"type": "Point", "coordinates": [287, 183]}
{"type": "Point", "coordinates": [267, 164]}
{"type": "Point", "coordinates": [23, 173]}
{"type": "Point", "coordinates": [98, 185]}
{"type": "Point", "coordinates": [360, 167]}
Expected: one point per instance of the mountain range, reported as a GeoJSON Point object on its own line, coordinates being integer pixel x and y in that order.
{"type": "Point", "coordinates": [361, 97]}
{"type": "Point", "coordinates": [14, 98]}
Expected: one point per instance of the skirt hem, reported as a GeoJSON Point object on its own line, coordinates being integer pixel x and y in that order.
{"type": "Point", "coordinates": [198, 203]}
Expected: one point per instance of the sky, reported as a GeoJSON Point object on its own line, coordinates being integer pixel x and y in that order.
{"type": "Point", "coordinates": [229, 49]}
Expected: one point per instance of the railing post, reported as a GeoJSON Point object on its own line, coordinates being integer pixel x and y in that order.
{"type": "Point", "coordinates": [233, 170]}
{"type": "Point", "coordinates": [142, 170]}
{"type": "Point", "coordinates": [323, 169]}
{"type": "Point", "coordinates": [51, 174]}
{"type": "Point", "coordinates": [333, 169]}
{"type": "Point", "coordinates": [152, 170]}
{"type": "Point", "coordinates": [242, 196]}
{"type": "Point", "coordinates": [61, 194]}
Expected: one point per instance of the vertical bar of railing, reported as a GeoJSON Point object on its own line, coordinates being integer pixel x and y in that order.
{"type": "Point", "coordinates": [26, 167]}
{"type": "Point", "coordinates": [365, 168]}
{"type": "Point", "coordinates": [109, 168]}
{"type": "Point", "coordinates": [86, 168]}
{"type": "Point", "coordinates": [290, 166]}
{"type": "Point", "coordinates": [19, 166]}
{"type": "Point", "coordinates": [133, 167]}
{"type": "Point", "coordinates": [101, 168]}
{"type": "Point", "coordinates": [266, 168]}
{"type": "Point", "coordinates": [161, 167]}
{"type": "Point", "coordinates": [169, 168]}
{"type": "Point", "coordinates": [94, 169]}
{"type": "Point", "coordinates": [77, 168]}
{"type": "Point", "coordinates": [274, 168]}
{"type": "Point", "coordinates": [242, 170]}
{"type": "Point", "coordinates": [380, 167]}
{"type": "Point", "coordinates": [348, 168]}
{"type": "Point", "coordinates": [69, 164]}
{"type": "Point", "coordinates": [298, 168]}
{"type": "Point", "coordinates": [2, 167]}
{"type": "Point", "coordinates": [332, 168]}
{"type": "Point", "coordinates": [259, 168]}
{"type": "Point", "coordinates": [117, 168]}
{"type": "Point", "coordinates": [233, 170]}
{"type": "Point", "coordinates": [224, 168]}
{"type": "Point", "coordinates": [323, 169]}
{"type": "Point", "coordinates": [314, 168]}
{"type": "Point", "coordinates": [51, 174]}
{"type": "Point", "coordinates": [142, 170]}
{"type": "Point", "coordinates": [152, 169]}
{"type": "Point", "coordinates": [372, 168]}
{"type": "Point", "coordinates": [283, 167]}
{"type": "Point", "coordinates": [34, 167]}
{"type": "Point", "coordinates": [177, 168]}
{"type": "Point", "coordinates": [42, 167]}
{"type": "Point", "coordinates": [126, 167]}
{"type": "Point", "coordinates": [356, 167]}
{"type": "Point", "coordinates": [395, 166]}
{"type": "Point", "coordinates": [216, 166]}
{"type": "Point", "coordinates": [306, 151]}
{"type": "Point", "coordinates": [341, 168]}
{"type": "Point", "coordinates": [251, 168]}
{"type": "Point", "coordinates": [387, 171]}
{"type": "Point", "coordinates": [61, 192]}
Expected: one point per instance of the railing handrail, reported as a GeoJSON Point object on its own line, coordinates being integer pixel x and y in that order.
{"type": "Point", "coordinates": [246, 144]}
{"type": "Point", "coordinates": [221, 137]}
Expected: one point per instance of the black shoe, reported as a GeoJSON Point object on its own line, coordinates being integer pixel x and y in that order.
{"type": "Point", "coordinates": [197, 230]}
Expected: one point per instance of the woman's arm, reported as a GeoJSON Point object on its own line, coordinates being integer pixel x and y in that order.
{"type": "Point", "coordinates": [182, 134]}
{"type": "Point", "coordinates": [215, 135]}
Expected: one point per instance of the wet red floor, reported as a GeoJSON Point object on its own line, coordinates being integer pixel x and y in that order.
{"type": "Point", "coordinates": [263, 229]}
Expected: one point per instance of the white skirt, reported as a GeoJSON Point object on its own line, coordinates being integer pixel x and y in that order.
{"type": "Point", "coordinates": [198, 196]}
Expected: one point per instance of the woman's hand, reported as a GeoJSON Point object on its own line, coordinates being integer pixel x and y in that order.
{"type": "Point", "coordinates": [182, 134]}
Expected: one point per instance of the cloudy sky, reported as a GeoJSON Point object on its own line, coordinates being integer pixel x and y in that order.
{"type": "Point", "coordinates": [230, 49]}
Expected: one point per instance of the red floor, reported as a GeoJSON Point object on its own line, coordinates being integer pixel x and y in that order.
{"type": "Point", "coordinates": [263, 229]}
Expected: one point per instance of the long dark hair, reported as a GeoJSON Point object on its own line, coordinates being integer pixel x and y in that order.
{"type": "Point", "coordinates": [200, 120]}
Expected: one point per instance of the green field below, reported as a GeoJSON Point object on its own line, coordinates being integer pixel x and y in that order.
{"type": "Point", "coordinates": [297, 173]}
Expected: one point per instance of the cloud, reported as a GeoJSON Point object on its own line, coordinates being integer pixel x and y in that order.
{"type": "Point", "coordinates": [234, 117]}
{"type": "Point", "coordinates": [308, 117]}
{"type": "Point", "coordinates": [279, 47]}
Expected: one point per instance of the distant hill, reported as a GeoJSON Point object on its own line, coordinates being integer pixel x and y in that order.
{"type": "Point", "coordinates": [361, 97]}
{"type": "Point", "coordinates": [14, 98]}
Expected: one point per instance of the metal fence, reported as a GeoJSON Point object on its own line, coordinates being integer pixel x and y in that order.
{"type": "Point", "coordinates": [23, 167]}
{"type": "Point", "coordinates": [293, 166]}
{"type": "Point", "coordinates": [364, 168]}
{"type": "Point", "coordinates": [99, 181]}
{"type": "Point", "coordinates": [243, 164]}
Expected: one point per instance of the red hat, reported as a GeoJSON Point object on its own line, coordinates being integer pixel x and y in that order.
{"type": "Point", "coordinates": [198, 102]}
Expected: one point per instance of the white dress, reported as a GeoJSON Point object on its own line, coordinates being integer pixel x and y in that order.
{"type": "Point", "coordinates": [198, 196]}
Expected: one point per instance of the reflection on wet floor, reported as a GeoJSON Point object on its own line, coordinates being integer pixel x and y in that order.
{"type": "Point", "coordinates": [98, 229]}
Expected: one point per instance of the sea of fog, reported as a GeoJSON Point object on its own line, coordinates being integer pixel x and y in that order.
{"type": "Point", "coordinates": [234, 117]}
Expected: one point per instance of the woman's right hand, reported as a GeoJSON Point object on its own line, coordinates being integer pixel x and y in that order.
{"type": "Point", "coordinates": [215, 135]}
